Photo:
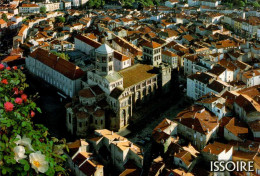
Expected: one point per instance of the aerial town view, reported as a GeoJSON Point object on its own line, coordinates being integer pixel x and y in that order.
{"type": "Point", "coordinates": [130, 87]}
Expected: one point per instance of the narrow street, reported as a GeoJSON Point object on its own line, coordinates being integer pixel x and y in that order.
{"type": "Point", "coordinates": [146, 130]}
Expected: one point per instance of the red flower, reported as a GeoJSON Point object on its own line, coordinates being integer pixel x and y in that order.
{"type": "Point", "coordinates": [22, 68]}
{"type": "Point", "coordinates": [16, 91]}
{"type": "Point", "coordinates": [21, 92]}
{"type": "Point", "coordinates": [15, 67]}
{"type": "Point", "coordinates": [4, 81]}
{"type": "Point", "coordinates": [32, 114]}
{"type": "Point", "coordinates": [8, 106]}
{"type": "Point", "coordinates": [8, 68]}
{"type": "Point", "coordinates": [2, 66]}
{"type": "Point", "coordinates": [24, 97]}
{"type": "Point", "coordinates": [18, 101]}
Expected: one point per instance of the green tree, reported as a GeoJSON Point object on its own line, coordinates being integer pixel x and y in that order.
{"type": "Point", "coordinates": [60, 19]}
{"type": "Point", "coordinates": [157, 2]}
{"type": "Point", "coordinates": [61, 55]}
{"type": "Point", "coordinates": [43, 9]}
{"type": "Point", "coordinates": [4, 17]}
{"type": "Point", "coordinates": [241, 4]}
{"type": "Point", "coordinates": [24, 20]}
{"type": "Point", "coordinates": [91, 4]}
{"type": "Point", "coordinates": [256, 4]}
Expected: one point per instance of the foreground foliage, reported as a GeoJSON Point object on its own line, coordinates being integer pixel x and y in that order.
{"type": "Point", "coordinates": [25, 147]}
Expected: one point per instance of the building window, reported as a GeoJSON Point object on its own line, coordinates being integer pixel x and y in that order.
{"type": "Point", "coordinates": [110, 58]}
{"type": "Point", "coordinates": [80, 124]}
{"type": "Point", "coordinates": [96, 122]}
{"type": "Point", "coordinates": [101, 121]}
{"type": "Point", "coordinates": [104, 69]}
{"type": "Point", "coordinates": [110, 67]}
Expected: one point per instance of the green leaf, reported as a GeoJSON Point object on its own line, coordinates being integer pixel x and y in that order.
{"type": "Point", "coordinates": [4, 137]}
{"type": "Point", "coordinates": [39, 110]}
{"type": "Point", "coordinates": [23, 161]}
{"type": "Point", "coordinates": [26, 167]}
{"type": "Point", "coordinates": [2, 146]}
{"type": "Point", "coordinates": [4, 171]}
{"type": "Point", "coordinates": [6, 99]}
{"type": "Point", "coordinates": [24, 124]}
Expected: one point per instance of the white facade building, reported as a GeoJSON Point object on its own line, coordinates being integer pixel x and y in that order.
{"type": "Point", "coordinates": [58, 72]}
{"type": "Point", "coordinates": [50, 6]}
{"type": "Point", "coordinates": [29, 8]}
{"type": "Point", "coordinates": [171, 3]}
{"type": "Point", "coordinates": [251, 77]}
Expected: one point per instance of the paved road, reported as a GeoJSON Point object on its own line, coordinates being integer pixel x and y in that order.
{"type": "Point", "coordinates": [152, 122]}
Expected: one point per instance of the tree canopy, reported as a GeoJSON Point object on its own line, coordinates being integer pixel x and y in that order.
{"type": "Point", "coordinates": [61, 55]}
{"type": "Point", "coordinates": [125, 3]}
{"type": "Point", "coordinates": [60, 19]}
{"type": "Point", "coordinates": [43, 9]}
{"type": "Point", "coordinates": [4, 17]}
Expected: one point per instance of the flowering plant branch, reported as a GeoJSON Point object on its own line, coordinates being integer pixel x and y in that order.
{"type": "Point", "coordinates": [25, 147]}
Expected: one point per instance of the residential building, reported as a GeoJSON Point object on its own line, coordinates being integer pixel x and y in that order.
{"type": "Point", "coordinates": [152, 53]}
{"type": "Point", "coordinates": [217, 152]}
{"type": "Point", "coordinates": [251, 77]}
{"type": "Point", "coordinates": [171, 3]}
{"type": "Point", "coordinates": [215, 104]}
{"type": "Point", "coordinates": [116, 148]}
{"type": "Point", "coordinates": [29, 8]}
{"type": "Point", "coordinates": [58, 72]}
{"type": "Point", "coordinates": [197, 125]}
{"type": "Point", "coordinates": [170, 58]}
{"type": "Point", "coordinates": [164, 133]}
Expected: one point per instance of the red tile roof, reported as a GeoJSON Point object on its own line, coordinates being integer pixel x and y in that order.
{"type": "Point", "coordinates": [29, 5]}
{"type": "Point", "coordinates": [2, 21]}
{"type": "Point", "coordinates": [11, 58]}
{"type": "Point", "coordinates": [62, 66]}
{"type": "Point", "coordinates": [216, 148]}
{"type": "Point", "coordinates": [237, 128]}
{"type": "Point", "coordinates": [88, 41]}
{"type": "Point", "coordinates": [152, 45]}
{"type": "Point", "coordinates": [119, 56]}
{"type": "Point", "coordinates": [198, 118]}
{"type": "Point", "coordinates": [169, 53]}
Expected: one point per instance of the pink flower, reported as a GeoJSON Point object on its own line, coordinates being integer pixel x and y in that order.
{"type": "Point", "coordinates": [4, 81]}
{"type": "Point", "coordinates": [8, 106]}
{"type": "Point", "coordinates": [32, 114]}
{"type": "Point", "coordinates": [16, 91]}
{"type": "Point", "coordinates": [2, 66]}
{"type": "Point", "coordinates": [15, 67]}
{"type": "Point", "coordinates": [18, 101]}
{"type": "Point", "coordinates": [24, 97]}
{"type": "Point", "coordinates": [8, 68]}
